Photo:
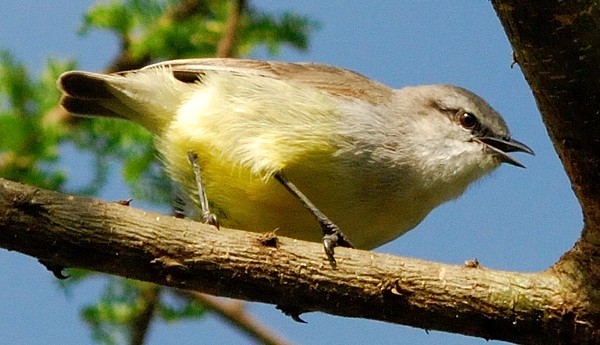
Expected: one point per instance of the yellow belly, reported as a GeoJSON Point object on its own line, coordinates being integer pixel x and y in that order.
{"type": "Point", "coordinates": [244, 133]}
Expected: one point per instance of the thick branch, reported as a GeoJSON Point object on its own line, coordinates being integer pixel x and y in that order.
{"type": "Point", "coordinates": [72, 231]}
{"type": "Point", "coordinates": [557, 45]}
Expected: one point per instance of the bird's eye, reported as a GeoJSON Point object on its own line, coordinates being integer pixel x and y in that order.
{"type": "Point", "coordinates": [467, 120]}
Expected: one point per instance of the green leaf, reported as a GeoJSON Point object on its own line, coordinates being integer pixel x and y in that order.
{"type": "Point", "coordinates": [180, 309]}
{"type": "Point", "coordinates": [112, 15]}
{"type": "Point", "coordinates": [29, 146]}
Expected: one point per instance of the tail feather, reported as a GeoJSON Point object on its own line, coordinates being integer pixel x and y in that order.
{"type": "Point", "coordinates": [93, 94]}
{"type": "Point", "coordinates": [87, 107]}
{"type": "Point", "coordinates": [86, 85]}
{"type": "Point", "coordinates": [144, 96]}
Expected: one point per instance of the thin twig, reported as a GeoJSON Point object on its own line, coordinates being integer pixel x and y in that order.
{"type": "Point", "coordinates": [226, 47]}
{"type": "Point", "coordinates": [140, 326]}
{"type": "Point", "coordinates": [233, 312]}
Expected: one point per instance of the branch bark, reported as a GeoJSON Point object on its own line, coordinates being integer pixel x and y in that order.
{"type": "Point", "coordinates": [70, 231]}
{"type": "Point", "coordinates": [557, 46]}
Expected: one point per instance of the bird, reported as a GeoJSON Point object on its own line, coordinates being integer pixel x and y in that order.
{"type": "Point", "coordinates": [264, 145]}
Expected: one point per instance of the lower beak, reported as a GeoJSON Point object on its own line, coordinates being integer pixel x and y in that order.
{"type": "Point", "coordinates": [501, 146]}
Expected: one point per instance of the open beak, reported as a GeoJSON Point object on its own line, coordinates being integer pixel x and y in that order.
{"type": "Point", "coordinates": [502, 146]}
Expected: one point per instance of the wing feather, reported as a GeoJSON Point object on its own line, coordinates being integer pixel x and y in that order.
{"type": "Point", "coordinates": [333, 80]}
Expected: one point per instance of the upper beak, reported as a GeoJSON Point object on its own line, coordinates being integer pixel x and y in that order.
{"type": "Point", "coordinates": [501, 146]}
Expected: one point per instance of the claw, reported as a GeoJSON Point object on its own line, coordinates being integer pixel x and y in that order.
{"type": "Point", "coordinates": [210, 219]}
{"type": "Point", "coordinates": [332, 238]}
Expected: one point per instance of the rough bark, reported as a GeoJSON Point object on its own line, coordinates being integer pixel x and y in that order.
{"type": "Point", "coordinates": [70, 231]}
{"type": "Point", "coordinates": [556, 44]}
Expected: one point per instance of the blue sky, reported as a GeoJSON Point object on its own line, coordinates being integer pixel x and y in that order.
{"type": "Point", "coordinates": [515, 219]}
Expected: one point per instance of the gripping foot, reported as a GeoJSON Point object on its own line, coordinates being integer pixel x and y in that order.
{"type": "Point", "coordinates": [332, 235]}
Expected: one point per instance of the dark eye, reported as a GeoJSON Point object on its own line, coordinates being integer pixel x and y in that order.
{"type": "Point", "coordinates": [467, 120]}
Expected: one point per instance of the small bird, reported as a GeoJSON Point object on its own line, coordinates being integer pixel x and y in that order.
{"type": "Point", "coordinates": [261, 145]}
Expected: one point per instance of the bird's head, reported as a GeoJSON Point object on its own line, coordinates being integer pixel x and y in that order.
{"type": "Point", "coordinates": [458, 137]}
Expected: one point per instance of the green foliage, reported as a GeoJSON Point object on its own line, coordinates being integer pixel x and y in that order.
{"type": "Point", "coordinates": [113, 141]}
{"type": "Point", "coordinates": [125, 304]}
{"type": "Point", "coordinates": [180, 308]}
{"type": "Point", "coordinates": [167, 29]}
{"type": "Point", "coordinates": [29, 149]}
{"type": "Point", "coordinates": [271, 31]}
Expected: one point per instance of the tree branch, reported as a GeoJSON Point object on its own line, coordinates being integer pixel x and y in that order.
{"type": "Point", "coordinates": [233, 312]}
{"type": "Point", "coordinates": [149, 300]}
{"type": "Point", "coordinates": [70, 231]}
{"type": "Point", "coordinates": [557, 45]}
{"type": "Point", "coordinates": [226, 47]}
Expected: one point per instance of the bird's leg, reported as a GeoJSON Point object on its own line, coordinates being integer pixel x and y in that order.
{"type": "Point", "coordinates": [207, 216]}
{"type": "Point", "coordinates": [332, 235]}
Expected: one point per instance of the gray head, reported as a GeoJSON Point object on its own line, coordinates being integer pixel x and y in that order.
{"type": "Point", "coordinates": [463, 118]}
{"type": "Point", "coordinates": [449, 137]}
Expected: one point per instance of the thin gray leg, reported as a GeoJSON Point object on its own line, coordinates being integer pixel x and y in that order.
{"type": "Point", "coordinates": [207, 216]}
{"type": "Point", "coordinates": [332, 235]}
